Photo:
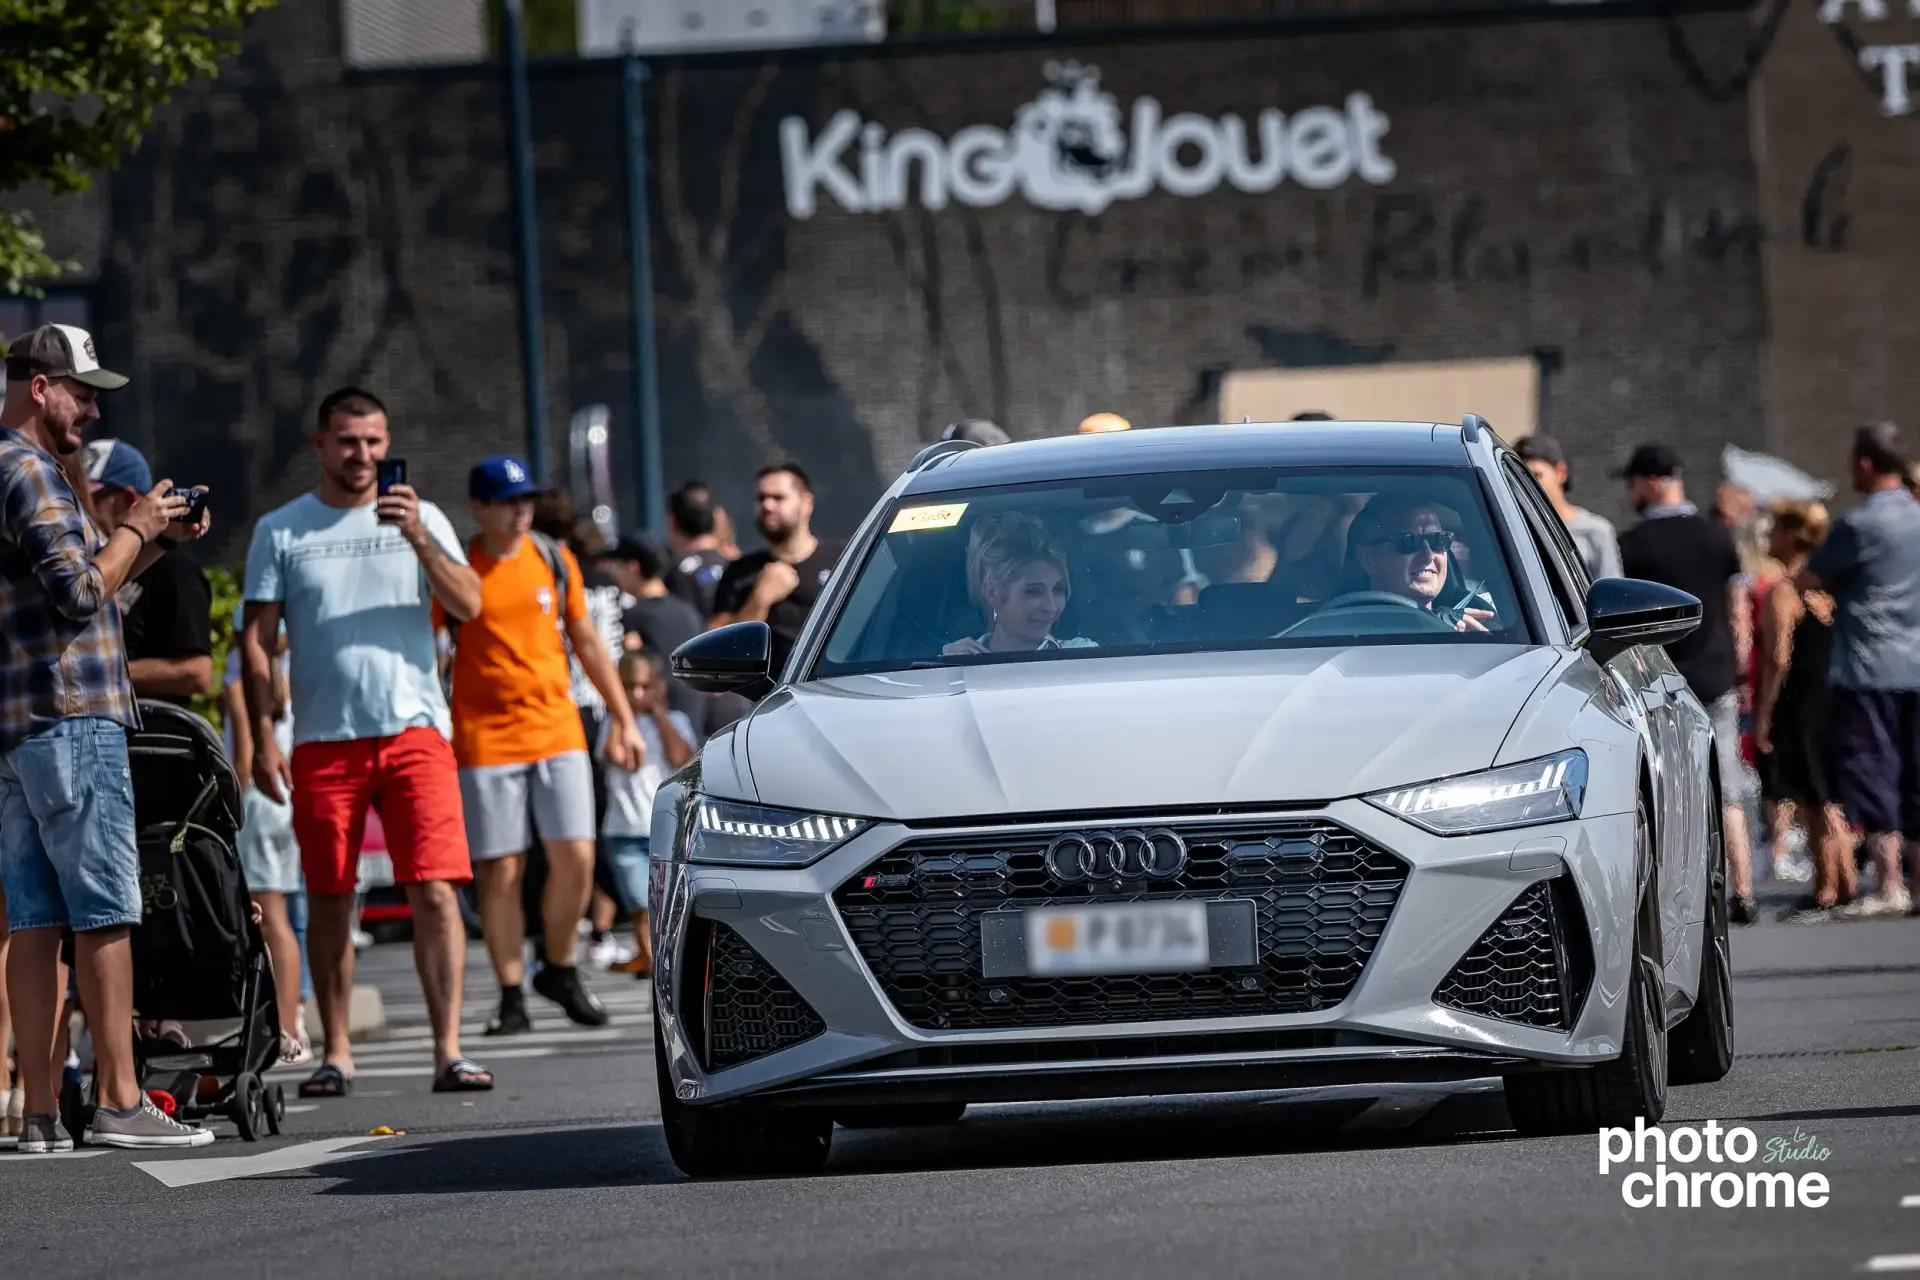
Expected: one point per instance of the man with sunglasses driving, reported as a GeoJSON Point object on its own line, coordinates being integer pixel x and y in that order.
{"type": "Point", "coordinates": [1400, 546]}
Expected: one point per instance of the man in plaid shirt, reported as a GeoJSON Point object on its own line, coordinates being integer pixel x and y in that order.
{"type": "Point", "coordinates": [67, 853]}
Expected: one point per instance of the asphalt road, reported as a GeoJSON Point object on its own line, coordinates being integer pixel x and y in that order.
{"type": "Point", "coordinates": [562, 1169]}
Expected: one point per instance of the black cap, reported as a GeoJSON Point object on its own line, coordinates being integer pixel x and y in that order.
{"type": "Point", "coordinates": [1655, 461]}
{"type": "Point", "coordinates": [1543, 448]}
{"type": "Point", "coordinates": [61, 351]}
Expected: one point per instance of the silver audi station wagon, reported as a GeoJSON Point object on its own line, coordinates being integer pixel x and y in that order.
{"type": "Point", "coordinates": [1193, 759]}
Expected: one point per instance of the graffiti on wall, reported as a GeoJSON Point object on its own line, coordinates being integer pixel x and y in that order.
{"type": "Point", "coordinates": [1070, 151]}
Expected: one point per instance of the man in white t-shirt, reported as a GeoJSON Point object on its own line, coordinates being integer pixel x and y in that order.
{"type": "Point", "coordinates": [354, 568]}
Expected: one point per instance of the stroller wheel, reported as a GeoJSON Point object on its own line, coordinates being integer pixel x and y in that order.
{"type": "Point", "coordinates": [244, 1108]}
{"type": "Point", "coordinates": [276, 1109]}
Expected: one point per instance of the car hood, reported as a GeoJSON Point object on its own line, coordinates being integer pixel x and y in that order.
{"type": "Point", "coordinates": [1155, 731]}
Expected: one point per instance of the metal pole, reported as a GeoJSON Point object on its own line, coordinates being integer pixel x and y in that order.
{"type": "Point", "coordinates": [533, 364]}
{"type": "Point", "coordinates": [646, 370]}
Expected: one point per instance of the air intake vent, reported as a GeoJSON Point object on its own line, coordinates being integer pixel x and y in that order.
{"type": "Point", "coordinates": [751, 1010]}
{"type": "Point", "coordinates": [1533, 965]}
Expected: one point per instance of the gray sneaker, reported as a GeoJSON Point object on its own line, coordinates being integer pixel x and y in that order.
{"type": "Point", "coordinates": [149, 1126]}
{"type": "Point", "coordinates": [43, 1136]}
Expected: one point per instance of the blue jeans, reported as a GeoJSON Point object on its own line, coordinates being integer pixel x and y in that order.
{"type": "Point", "coordinates": [632, 865]}
{"type": "Point", "coordinates": [297, 917]}
{"type": "Point", "coordinates": [68, 854]}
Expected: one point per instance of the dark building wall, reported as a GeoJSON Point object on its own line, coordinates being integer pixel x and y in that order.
{"type": "Point", "coordinates": [1840, 183]}
{"type": "Point", "coordinates": [1558, 183]}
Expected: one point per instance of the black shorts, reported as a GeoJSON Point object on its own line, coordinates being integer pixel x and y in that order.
{"type": "Point", "coordinates": [1873, 759]}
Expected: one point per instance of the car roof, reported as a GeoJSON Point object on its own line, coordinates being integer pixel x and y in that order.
{"type": "Point", "coordinates": [1209, 448]}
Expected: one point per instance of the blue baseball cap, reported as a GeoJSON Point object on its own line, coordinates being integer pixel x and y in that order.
{"type": "Point", "coordinates": [117, 464]}
{"type": "Point", "coordinates": [500, 480]}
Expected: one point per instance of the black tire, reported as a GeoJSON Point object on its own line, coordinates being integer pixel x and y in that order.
{"type": "Point", "coordinates": [738, 1139]}
{"type": "Point", "coordinates": [244, 1107]}
{"type": "Point", "coordinates": [904, 1116]}
{"type": "Point", "coordinates": [1613, 1093]}
{"type": "Point", "coordinates": [276, 1109]}
{"type": "Point", "coordinates": [1701, 1047]}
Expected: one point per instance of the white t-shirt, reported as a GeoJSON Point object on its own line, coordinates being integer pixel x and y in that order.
{"type": "Point", "coordinates": [359, 618]}
{"type": "Point", "coordinates": [630, 795]}
{"type": "Point", "coordinates": [604, 604]}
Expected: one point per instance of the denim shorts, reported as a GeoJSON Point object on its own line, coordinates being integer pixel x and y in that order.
{"type": "Point", "coordinates": [68, 854]}
{"type": "Point", "coordinates": [632, 867]}
{"type": "Point", "coordinates": [1874, 759]}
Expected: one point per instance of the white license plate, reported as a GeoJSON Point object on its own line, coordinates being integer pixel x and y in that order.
{"type": "Point", "coordinates": [1131, 937]}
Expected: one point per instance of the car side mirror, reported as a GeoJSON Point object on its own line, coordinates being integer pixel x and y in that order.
{"type": "Point", "coordinates": [1624, 612]}
{"type": "Point", "coordinates": [729, 659]}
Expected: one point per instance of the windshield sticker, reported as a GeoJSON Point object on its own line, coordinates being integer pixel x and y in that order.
{"type": "Point", "coordinates": [914, 519]}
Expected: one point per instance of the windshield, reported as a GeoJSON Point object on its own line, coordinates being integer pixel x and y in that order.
{"type": "Point", "coordinates": [1188, 562]}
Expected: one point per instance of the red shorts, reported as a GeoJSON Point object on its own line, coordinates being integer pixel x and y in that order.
{"type": "Point", "coordinates": [410, 779]}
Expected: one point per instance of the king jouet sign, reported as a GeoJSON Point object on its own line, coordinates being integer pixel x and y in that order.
{"type": "Point", "coordinates": [1897, 66]}
{"type": "Point", "coordinates": [1072, 149]}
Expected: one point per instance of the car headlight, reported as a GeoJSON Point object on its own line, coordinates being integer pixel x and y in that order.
{"type": "Point", "coordinates": [1549, 789]}
{"type": "Point", "coordinates": [753, 835]}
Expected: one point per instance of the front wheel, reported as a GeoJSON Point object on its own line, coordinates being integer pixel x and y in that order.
{"type": "Point", "coordinates": [1703, 1043]}
{"type": "Point", "coordinates": [737, 1139]}
{"type": "Point", "coordinates": [1633, 1085]}
{"type": "Point", "coordinates": [244, 1107]}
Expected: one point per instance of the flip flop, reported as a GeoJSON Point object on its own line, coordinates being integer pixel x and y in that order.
{"type": "Point", "coordinates": [328, 1082]}
{"type": "Point", "coordinates": [463, 1075]}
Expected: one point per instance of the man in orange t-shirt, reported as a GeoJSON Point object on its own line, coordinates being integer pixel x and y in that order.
{"type": "Point", "coordinates": [518, 740]}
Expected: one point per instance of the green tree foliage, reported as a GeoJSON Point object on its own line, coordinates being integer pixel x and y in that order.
{"type": "Point", "coordinates": [549, 27]}
{"type": "Point", "coordinates": [79, 83]}
{"type": "Point", "coordinates": [226, 598]}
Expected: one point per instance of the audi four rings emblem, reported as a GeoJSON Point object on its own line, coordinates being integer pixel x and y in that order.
{"type": "Point", "coordinates": [1157, 854]}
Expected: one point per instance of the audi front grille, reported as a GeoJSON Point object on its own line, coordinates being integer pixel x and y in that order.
{"type": "Point", "coordinates": [1322, 896]}
{"type": "Point", "coordinates": [1533, 965]}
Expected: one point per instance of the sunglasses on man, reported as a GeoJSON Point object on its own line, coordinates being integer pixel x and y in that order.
{"type": "Point", "coordinates": [1408, 543]}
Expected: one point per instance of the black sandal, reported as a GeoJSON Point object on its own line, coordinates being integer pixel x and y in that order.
{"type": "Point", "coordinates": [463, 1075]}
{"type": "Point", "coordinates": [328, 1082]}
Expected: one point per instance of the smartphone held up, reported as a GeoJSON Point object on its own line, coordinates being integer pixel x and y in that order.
{"type": "Point", "coordinates": [390, 472]}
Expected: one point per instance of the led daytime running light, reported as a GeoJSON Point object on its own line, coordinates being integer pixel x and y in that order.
{"type": "Point", "coordinates": [1463, 793]}
{"type": "Point", "coordinates": [817, 828]}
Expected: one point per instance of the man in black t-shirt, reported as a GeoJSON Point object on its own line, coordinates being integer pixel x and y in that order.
{"type": "Point", "coordinates": [167, 612]}
{"type": "Point", "coordinates": [698, 557]}
{"type": "Point", "coordinates": [778, 586]}
{"type": "Point", "coordinates": [1675, 544]}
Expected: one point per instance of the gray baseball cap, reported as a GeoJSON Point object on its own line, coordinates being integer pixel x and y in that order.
{"type": "Point", "coordinates": [61, 351]}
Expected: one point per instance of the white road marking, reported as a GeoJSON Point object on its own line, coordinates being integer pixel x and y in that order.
{"type": "Point", "coordinates": [304, 1155]}
{"type": "Point", "coordinates": [1894, 1262]}
{"type": "Point", "coordinates": [1910, 1202]}
{"type": "Point", "coordinates": [301, 1108]}
{"type": "Point", "coordinates": [374, 1048]}
{"type": "Point", "coordinates": [425, 1065]}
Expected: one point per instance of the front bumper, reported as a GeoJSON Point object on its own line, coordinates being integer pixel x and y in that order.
{"type": "Point", "coordinates": [1386, 1028]}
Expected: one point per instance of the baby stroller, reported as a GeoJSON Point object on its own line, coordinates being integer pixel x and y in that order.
{"type": "Point", "coordinates": [197, 954]}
